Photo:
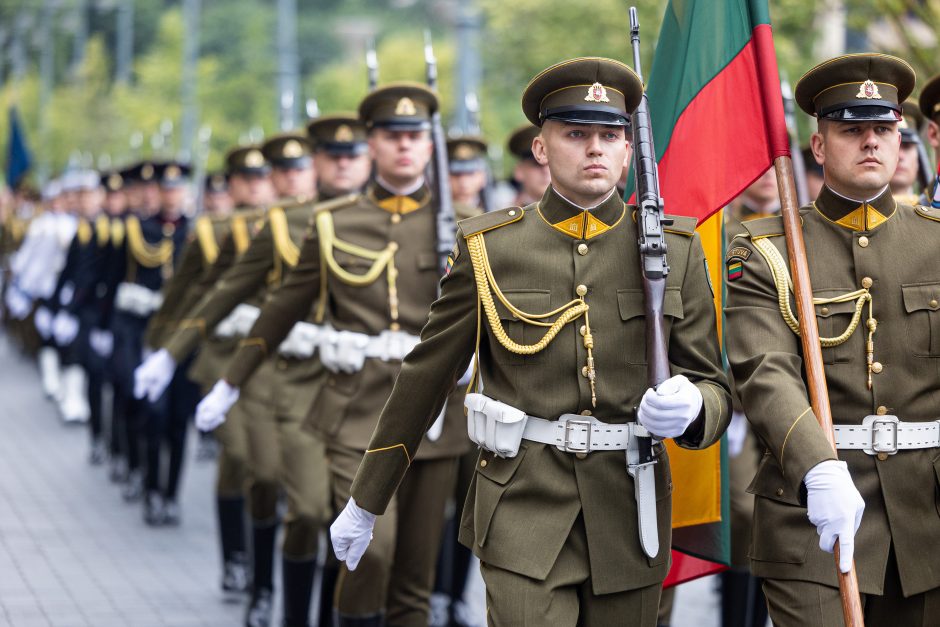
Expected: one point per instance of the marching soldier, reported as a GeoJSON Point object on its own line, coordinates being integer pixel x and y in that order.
{"type": "Point", "coordinates": [369, 269]}
{"type": "Point", "coordinates": [466, 159]}
{"type": "Point", "coordinates": [292, 173]}
{"type": "Point", "coordinates": [529, 176]}
{"type": "Point", "coordinates": [549, 299]}
{"type": "Point", "coordinates": [908, 176]}
{"type": "Point", "coordinates": [877, 317]}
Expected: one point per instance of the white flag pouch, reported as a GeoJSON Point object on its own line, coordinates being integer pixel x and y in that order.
{"type": "Point", "coordinates": [494, 426]}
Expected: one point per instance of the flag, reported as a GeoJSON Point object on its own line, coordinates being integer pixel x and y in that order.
{"type": "Point", "coordinates": [718, 124]}
{"type": "Point", "coordinates": [19, 161]}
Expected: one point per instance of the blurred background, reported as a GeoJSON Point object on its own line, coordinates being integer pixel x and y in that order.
{"type": "Point", "coordinates": [104, 81]}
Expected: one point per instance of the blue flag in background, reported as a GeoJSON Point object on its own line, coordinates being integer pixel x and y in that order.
{"type": "Point", "coordinates": [19, 161]}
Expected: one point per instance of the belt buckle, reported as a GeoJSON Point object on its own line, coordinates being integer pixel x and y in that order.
{"type": "Point", "coordinates": [873, 422]}
{"type": "Point", "coordinates": [587, 424]}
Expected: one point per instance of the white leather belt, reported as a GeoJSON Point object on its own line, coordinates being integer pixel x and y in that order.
{"type": "Point", "coordinates": [572, 433]}
{"type": "Point", "coordinates": [887, 434]}
{"type": "Point", "coordinates": [303, 340]}
{"type": "Point", "coordinates": [238, 323]}
{"type": "Point", "coordinates": [136, 299]}
{"type": "Point", "coordinates": [390, 345]}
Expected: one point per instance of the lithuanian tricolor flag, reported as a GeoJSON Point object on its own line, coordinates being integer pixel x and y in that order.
{"type": "Point", "coordinates": [717, 115]}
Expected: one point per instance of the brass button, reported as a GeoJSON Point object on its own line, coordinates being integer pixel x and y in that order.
{"type": "Point", "coordinates": [582, 249]}
{"type": "Point", "coordinates": [583, 330]}
{"type": "Point", "coordinates": [867, 282]}
{"type": "Point", "coordinates": [394, 326]}
{"type": "Point", "coordinates": [882, 457]}
{"type": "Point", "coordinates": [512, 212]}
{"type": "Point", "coordinates": [581, 290]}
{"type": "Point", "coordinates": [882, 410]}
{"type": "Point", "coordinates": [393, 246]}
{"type": "Point", "coordinates": [396, 218]}
{"type": "Point", "coordinates": [933, 303]}
{"type": "Point", "coordinates": [779, 491]}
{"type": "Point", "coordinates": [580, 455]}
{"type": "Point", "coordinates": [877, 367]}
{"type": "Point", "coordinates": [584, 371]}
{"type": "Point", "coordinates": [482, 463]}
{"type": "Point", "coordinates": [824, 311]}
{"type": "Point", "coordinates": [586, 412]}
{"type": "Point", "coordinates": [863, 241]}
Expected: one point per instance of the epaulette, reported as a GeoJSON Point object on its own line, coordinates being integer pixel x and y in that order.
{"type": "Point", "coordinates": [117, 232]}
{"type": "Point", "coordinates": [103, 230]}
{"type": "Point", "coordinates": [206, 236]}
{"type": "Point", "coordinates": [84, 232]}
{"type": "Point", "coordinates": [764, 227]}
{"type": "Point", "coordinates": [681, 225]}
{"type": "Point", "coordinates": [340, 202]}
{"type": "Point", "coordinates": [490, 221]}
{"type": "Point", "coordinates": [927, 212]}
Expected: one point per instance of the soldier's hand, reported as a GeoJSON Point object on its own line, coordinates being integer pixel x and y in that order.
{"type": "Point", "coordinates": [64, 328]}
{"type": "Point", "coordinates": [351, 533]}
{"type": "Point", "coordinates": [43, 322]}
{"type": "Point", "coordinates": [668, 410]}
{"type": "Point", "coordinates": [211, 411]}
{"type": "Point", "coordinates": [152, 377]}
{"type": "Point", "coordinates": [102, 342]}
{"type": "Point", "coordinates": [834, 505]}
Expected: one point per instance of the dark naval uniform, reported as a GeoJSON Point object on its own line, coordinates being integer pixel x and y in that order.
{"type": "Point", "coordinates": [877, 312]}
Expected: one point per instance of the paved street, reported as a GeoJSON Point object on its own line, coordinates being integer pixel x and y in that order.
{"type": "Point", "coordinates": [73, 554]}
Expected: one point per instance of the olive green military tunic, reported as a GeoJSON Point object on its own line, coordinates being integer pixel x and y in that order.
{"type": "Point", "coordinates": [520, 510]}
{"type": "Point", "coordinates": [878, 249]}
{"type": "Point", "coordinates": [397, 575]}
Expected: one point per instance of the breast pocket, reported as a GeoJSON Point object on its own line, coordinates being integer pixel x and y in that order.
{"type": "Point", "coordinates": [833, 320]}
{"type": "Point", "coordinates": [922, 304]}
{"type": "Point", "coordinates": [633, 315]}
{"type": "Point", "coordinates": [527, 302]}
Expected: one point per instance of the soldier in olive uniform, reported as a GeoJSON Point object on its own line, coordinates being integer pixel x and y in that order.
{"type": "Point", "coordinates": [908, 180]}
{"type": "Point", "coordinates": [466, 160]}
{"type": "Point", "coordinates": [374, 284]}
{"type": "Point", "coordinates": [876, 288]}
{"type": "Point", "coordinates": [530, 176]}
{"type": "Point", "coordinates": [565, 536]}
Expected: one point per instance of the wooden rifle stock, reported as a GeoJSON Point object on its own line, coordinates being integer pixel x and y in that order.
{"type": "Point", "coordinates": [812, 356]}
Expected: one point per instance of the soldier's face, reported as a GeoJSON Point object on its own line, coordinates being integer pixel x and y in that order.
{"type": "Point", "coordinates": [294, 181]}
{"type": "Point", "coordinates": [466, 186]}
{"type": "Point", "coordinates": [400, 156]}
{"type": "Point", "coordinates": [89, 202]}
{"type": "Point", "coordinates": [218, 203]}
{"type": "Point", "coordinates": [342, 174]}
{"type": "Point", "coordinates": [908, 169]}
{"type": "Point", "coordinates": [115, 203]}
{"type": "Point", "coordinates": [585, 160]}
{"type": "Point", "coordinates": [533, 177]}
{"type": "Point", "coordinates": [858, 158]}
{"type": "Point", "coordinates": [251, 190]}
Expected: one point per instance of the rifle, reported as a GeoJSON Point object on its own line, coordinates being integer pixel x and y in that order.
{"type": "Point", "coordinates": [650, 222]}
{"type": "Point", "coordinates": [446, 223]}
{"type": "Point", "coordinates": [372, 66]}
{"type": "Point", "coordinates": [924, 170]}
{"type": "Point", "coordinates": [796, 154]}
{"type": "Point", "coordinates": [473, 119]}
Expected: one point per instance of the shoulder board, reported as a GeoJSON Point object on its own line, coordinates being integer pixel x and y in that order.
{"type": "Point", "coordinates": [84, 233]}
{"type": "Point", "coordinates": [206, 236]}
{"type": "Point", "coordinates": [117, 232]}
{"type": "Point", "coordinates": [928, 212]}
{"type": "Point", "coordinates": [280, 232]}
{"type": "Point", "coordinates": [340, 202]}
{"type": "Point", "coordinates": [102, 230]}
{"type": "Point", "coordinates": [490, 221]}
{"type": "Point", "coordinates": [681, 225]}
{"type": "Point", "coordinates": [764, 227]}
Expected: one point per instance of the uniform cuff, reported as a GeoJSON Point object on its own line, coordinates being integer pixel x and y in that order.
{"type": "Point", "coordinates": [380, 472]}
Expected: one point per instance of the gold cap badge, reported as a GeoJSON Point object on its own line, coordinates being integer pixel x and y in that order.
{"type": "Point", "coordinates": [254, 159]}
{"type": "Point", "coordinates": [344, 133]}
{"type": "Point", "coordinates": [293, 149]}
{"type": "Point", "coordinates": [868, 90]}
{"type": "Point", "coordinates": [114, 182]}
{"type": "Point", "coordinates": [146, 172]}
{"type": "Point", "coordinates": [597, 93]}
{"type": "Point", "coordinates": [405, 106]}
{"type": "Point", "coordinates": [464, 152]}
{"type": "Point", "coordinates": [172, 173]}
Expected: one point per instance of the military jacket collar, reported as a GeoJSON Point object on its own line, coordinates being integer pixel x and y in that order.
{"type": "Point", "coordinates": [395, 204]}
{"type": "Point", "coordinates": [854, 215]}
{"type": "Point", "coordinates": [576, 222]}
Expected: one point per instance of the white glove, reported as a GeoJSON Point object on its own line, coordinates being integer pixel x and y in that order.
{"type": "Point", "coordinates": [18, 303]}
{"type": "Point", "coordinates": [834, 505]}
{"type": "Point", "coordinates": [64, 328]}
{"type": "Point", "coordinates": [102, 342]}
{"type": "Point", "coordinates": [352, 533]}
{"type": "Point", "coordinates": [43, 322]}
{"type": "Point", "coordinates": [329, 350]}
{"type": "Point", "coordinates": [667, 411]}
{"type": "Point", "coordinates": [67, 293]}
{"type": "Point", "coordinates": [152, 377]}
{"type": "Point", "coordinates": [352, 351]}
{"type": "Point", "coordinates": [737, 433]}
{"type": "Point", "coordinates": [437, 427]}
{"type": "Point", "coordinates": [211, 411]}
{"type": "Point", "coordinates": [464, 381]}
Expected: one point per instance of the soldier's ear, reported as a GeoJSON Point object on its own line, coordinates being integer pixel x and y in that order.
{"type": "Point", "coordinates": [933, 134]}
{"type": "Point", "coordinates": [539, 150]}
{"type": "Point", "coordinates": [817, 144]}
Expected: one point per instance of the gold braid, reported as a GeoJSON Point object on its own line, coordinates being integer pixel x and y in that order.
{"type": "Point", "coordinates": [144, 253]}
